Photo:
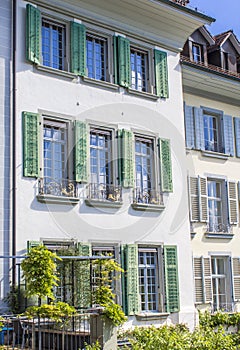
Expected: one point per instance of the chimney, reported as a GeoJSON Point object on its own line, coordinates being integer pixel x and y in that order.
{"type": "Point", "coordinates": [181, 2]}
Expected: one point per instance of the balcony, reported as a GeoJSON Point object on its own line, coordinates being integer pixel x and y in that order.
{"type": "Point", "coordinates": [147, 199]}
{"type": "Point", "coordinates": [219, 230]}
{"type": "Point", "coordinates": [104, 195]}
{"type": "Point", "coordinates": [52, 191]}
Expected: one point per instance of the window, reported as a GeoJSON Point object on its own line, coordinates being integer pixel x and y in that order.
{"type": "Point", "coordinates": [139, 69]}
{"type": "Point", "coordinates": [210, 130]}
{"type": "Point", "coordinates": [214, 202]}
{"type": "Point", "coordinates": [197, 52]}
{"type": "Point", "coordinates": [96, 57]}
{"type": "Point", "coordinates": [148, 281]}
{"type": "Point", "coordinates": [225, 57]}
{"type": "Point", "coordinates": [53, 44]}
{"type": "Point", "coordinates": [54, 156]}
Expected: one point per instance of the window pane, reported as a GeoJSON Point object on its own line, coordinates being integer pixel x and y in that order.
{"type": "Point", "coordinates": [138, 70]}
{"type": "Point", "coordinates": [96, 57]}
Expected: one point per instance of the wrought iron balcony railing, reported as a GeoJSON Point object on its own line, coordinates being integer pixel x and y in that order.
{"type": "Point", "coordinates": [224, 307]}
{"type": "Point", "coordinates": [219, 228]}
{"type": "Point", "coordinates": [147, 196]}
{"type": "Point", "coordinates": [60, 188]}
{"type": "Point", "coordinates": [104, 192]}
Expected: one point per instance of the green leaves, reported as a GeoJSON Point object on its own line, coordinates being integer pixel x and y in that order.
{"type": "Point", "coordinates": [39, 272]}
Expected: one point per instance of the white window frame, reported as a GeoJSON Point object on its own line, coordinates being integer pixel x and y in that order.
{"type": "Point", "coordinates": [197, 56]}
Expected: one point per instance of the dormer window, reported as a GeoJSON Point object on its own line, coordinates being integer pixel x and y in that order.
{"type": "Point", "coordinates": [197, 52]}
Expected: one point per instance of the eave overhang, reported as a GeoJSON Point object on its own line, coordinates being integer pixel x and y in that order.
{"type": "Point", "coordinates": [203, 81]}
{"type": "Point", "coordinates": [159, 21]}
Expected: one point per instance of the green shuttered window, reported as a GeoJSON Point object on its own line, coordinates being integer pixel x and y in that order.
{"type": "Point", "coordinates": [122, 61]}
{"type": "Point", "coordinates": [33, 34]}
{"type": "Point", "coordinates": [161, 72]}
{"type": "Point", "coordinates": [81, 152]}
{"type": "Point", "coordinates": [127, 159]}
{"type": "Point", "coordinates": [165, 165]}
{"type": "Point", "coordinates": [78, 48]}
{"type": "Point", "coordinates": [30, 144]}
{"type": "Point", "coordinates": [171, 278]}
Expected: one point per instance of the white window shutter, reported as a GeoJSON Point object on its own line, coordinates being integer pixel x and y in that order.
{"type": "Point", "coordinates": [203, 200]}
{"type": "Point", "coordinates": [237, 135]}
{"type": "Point", "coordinates": [189, 127]}
{"type": "Point", "coordinates": [236, 278]}
{"type": "Point", "coordinates": [193, 198]}
{"type": "Point", "coordinates": [207, 279]}
{"type": "Point", "coordinates": [227, 124]}
{"type": "Point", "coordinates": [198, 279]}
{"type": "Point", "coordinates": [232, 202]}
{"type": "Point", "coordinates": [199, 128]}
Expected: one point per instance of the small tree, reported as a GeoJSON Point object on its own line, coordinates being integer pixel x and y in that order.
{"type": "Point", "coordinates": [39, 270]}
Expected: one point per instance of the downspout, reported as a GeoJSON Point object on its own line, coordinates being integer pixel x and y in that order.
{"type": "Point", "coordinates": [13, 139]}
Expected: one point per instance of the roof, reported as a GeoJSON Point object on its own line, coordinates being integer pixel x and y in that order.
{"type": "Point", "coordinates": [221, 38]}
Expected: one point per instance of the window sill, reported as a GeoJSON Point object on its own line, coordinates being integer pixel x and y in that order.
{"type": "Point", "coordinates": [215, 155]}
{"type": "Point", "coordinates": [148, 207]}
{"type": "Point", "coordinates": [50, 199]}
{"type": "Point", "coordinates": [149, 316]}
{"type": "Point", "coordinates": [104, 84]}
{"type": "Point", "coordinates": [102, 203]}
{"type": "Point", "coordinates": [222, 235]}
{"type": "Point", "coordinates": [54, 71]}
{"type": "Point", "coordinates": [143, 94]}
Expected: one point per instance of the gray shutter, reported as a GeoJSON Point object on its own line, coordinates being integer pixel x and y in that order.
{"type": "Point", "coordinates": [236, 278]}
{"type": "Point", "coordinates": [227, 125]}
{"type": "Point", "coordinates": [161, 72]}
{"type": "Point", "coordinates": [237, 135]}
{"type": "Point", "coordinates": [131, 281]}
{"type": "Point", "coordinates": [199, 128]}
{"type": "Point", "coordinates": [81, 152]}
{"type": "Point", "coordinates": [198, 279]}
{"type": "Point", "coordinates": [193, 199]}
{"type": "Point", "coordinates": [165, 165]}
{"type": "Point", "coordinates": [207, 279]}
{"type": "Point", "coordinates": [189, 127]}
{"type": "Point", "coordinates": [33, 34]}
{"type": "Point", "coordinates": [78, 48]}
{"type": "Point", "coordinates": [203, 200]}
{"type": "Point", "coordinates": [31, 128]}
{"type": "Point", "coordinates": [232, 202]}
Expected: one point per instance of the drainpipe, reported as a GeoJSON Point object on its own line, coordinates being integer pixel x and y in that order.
{"type": "Point", "coordinates": [13, 139]}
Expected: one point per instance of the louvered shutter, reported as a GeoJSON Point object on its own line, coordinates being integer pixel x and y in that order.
{"type": "Point", "coordinates": [198, 279]}
{"type": "Point", "coordinates": [78, 48]}
{"type": "Point", "coordinates": [131, 279]}
{"type": "Point", "coordinates": [203, 199]}
{"type": "Point", "coordinates": [189, 127]}
{"type": "Point", "coordinates": [171, 278]}
{"type": "Point", "coordinates": [33, 34]}
{"type": "Point", "coordinates": [122, 61]}
{"type": "Point", "coordinates": [236, 278]}
{"type": "Point", "coordinates": [194, 199]}
{"type": "Point", "coordinates": [232, 202]}
{"type": "Point", "coordinates": [31, 128]}
{"type": "Point", "coordinates": [32, 244]}
{"type": "Point", "coordinates": [165, 165]}
{"type": "Point", "coordinates": [237, 135]}
{"type": "Point", "coordinates": [127, 157]}
{"type": "Point", "coordinates": [207, 275]}
{"type": "Point", "coordinates": [83, 278]}
{"type": "Point", "coordinates": [81, 151]}
{"type": "Point", "coordinates": [161, 72]}
{"type": "Point", "coordinates": [199, 128]}
{"type": "Point", "coordinates": [227, 124]}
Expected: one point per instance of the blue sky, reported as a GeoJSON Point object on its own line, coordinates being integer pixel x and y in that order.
{"type": "Point", "coordinates": [226, 13]}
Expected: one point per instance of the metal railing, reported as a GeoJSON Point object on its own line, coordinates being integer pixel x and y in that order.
{"type": "Point", "coordinates": [219, 228]}
{"type": "Point", "coordinates": [224, 307]}
{"type": "Point", "coordinates": [211, 67]}
{"type": "Point", "coordinates": [147, 196]}
{"type": "Point", "coordinates": [105, 192]}
{"type": "Point", "coordinates": [61, 187]}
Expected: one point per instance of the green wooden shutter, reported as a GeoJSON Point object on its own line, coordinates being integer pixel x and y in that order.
{"type": "Point", "coordinates": [232, 202]}
{"type": "Point", "coordinates": [161, 71]}
{"type": "Point", "coordinates": [127, 158]}
{"type": "Point", "coordinates": [122, 61]}
{"type": "Point", "coordinates": [81, 152]}
{"type": "Point", "coordinates": [33, 33]}
{"type": "Point", "coordinates": [31, 128]}
{"type": "Point", "coordinates": [83, 278]}
{"type": "Point", "coordinates": [131, 280]}
{"type": "Point", "coordinates": [165, 165]}
{"type": "Point", "coordinates": [78, 48]}
{"type": "Point", "coordinates": [171, 278]}
{"type": "Point", "coordinates": [236, 278]}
